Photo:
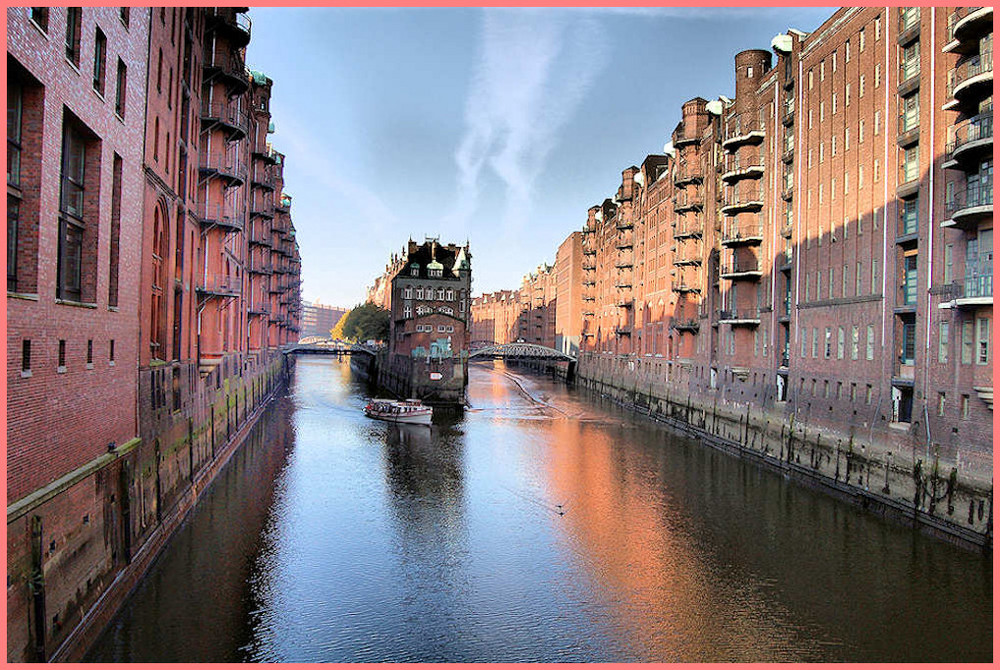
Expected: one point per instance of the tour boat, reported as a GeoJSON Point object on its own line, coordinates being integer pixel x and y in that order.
{"type": "Point", "coordinates": [399, 411]}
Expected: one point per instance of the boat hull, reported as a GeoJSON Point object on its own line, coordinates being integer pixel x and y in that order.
{"type": "Point", "coordinates": [421, 418]}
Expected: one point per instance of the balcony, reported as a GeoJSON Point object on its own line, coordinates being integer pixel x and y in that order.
{"type": "Point", "coordinates": [970, 140]}
{"type": "Point", "coordinates": [262, 177]}
{"type": "Point", "coordinates": [687, 174]}
{"type": "Point", "coordinates": [258, 308]}
{"type": "Point", "coordinates": [623, 331]}
{"type": "Point", "coordinates": [228, 21]}
{"type": "Point", "coordinates": [218, 285]}
{"type": "Point", "coordinates": [267, 154]}
{"type": "Point", "coordinates": [909, 128]}
{"type": "Point", "coordinates": [972, 80]}
{"type": "Point", "coordinates": [684, 202]}
{"type": "Point", "coordinates": [219, 216]}
{"type": "Point", "coordinates": [227, 65]}
{"type": "Point", "coordinates": [221, 166]}
{"type": "Point", "coordinates": [624, 244]}
{"type": "Point", "coordinates": [788, 112]}
{"type": "Point", "coordinates": [684, 325]}
{"type": "Point", "coordinates": [623, 283]}
{"type": "Point", "coordinates": [623, 263]}
{"type": "Point", "coordinates": [622, 224]}
{"type": "Point", "coordinates": [909, 76]}
{"type": "Point", "coordinates": [687, 227]}
{"type": "Point", "coordinates": [965, 26]}
{"type": "Point", "coordinates": [589, 282]}
{"type": "Point", "coordinates": [970, 206]}
{"type": "Point", "coordinates": [259, 266]}
{"type": "Point", "coordinates": [737, 171]}
{"type": "Point", "coordinates": [588, 298]}
{"type": "Point", "coordinates": [226, 116]}
{"type": "Point", "coordinates": [260, 237]}
{"type": "Point", "coordinates": [261, 206]}
{"type": "Point", "coordinates": [590, 252]}
{"type": "Point", "coordinates": [752, 135]}
{"type": "Point", "coordinates": [744, 317]}
{"type": "Point", "coordinates": [742, 235]}
{"type": "Point", "coordinates": [975, 291]}
{"type": "Point", "coordinates": [682, 140]}
{"type": "Point", "coordinates": [589, 266]}
{"type": "Point", "coordinates": [742, 269]}
{"type": "Point", "coordinates": [742, 200]}
{"type": "Point", "coordinates": [683, 287]}
{"type": "Point", "coordinates": [686, 259]}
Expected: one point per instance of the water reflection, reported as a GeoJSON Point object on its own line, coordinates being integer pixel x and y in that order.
{"type": "Point", "coordinates": [539, 525]}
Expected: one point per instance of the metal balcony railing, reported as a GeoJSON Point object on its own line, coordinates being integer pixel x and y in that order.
{"type": "Point", "coordinates": [230, 63]}
{"type": "Point", "coordinates": [739, 315]}
{"type": "Point", "coordinates": [978, 283]}
{"type": "Point", "coordinates": [739, 267]}
{"type": "Point", "coordinates": [223, 165]}
{"type": "Point", "coordinates": [971, 67]}
{"type": "Point", "coordinates": [227, 114]}
{"type": "Point", "coordinates": [979, 127]}
{"type": "Point", "coordinates": [978, 194]}
{"type": "Point", "coordinates": [746, 232]}
{"type": "Point", "coordinates": [219, 215]}
{"type": "Point", "coordinates": [219, 284]}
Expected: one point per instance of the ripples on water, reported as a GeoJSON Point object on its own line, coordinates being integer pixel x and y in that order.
{"type": "Point", "coordinates": [541, 525]}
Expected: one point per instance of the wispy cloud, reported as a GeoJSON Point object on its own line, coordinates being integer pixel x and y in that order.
{"type": "Point", "coordinates": [533, 71]}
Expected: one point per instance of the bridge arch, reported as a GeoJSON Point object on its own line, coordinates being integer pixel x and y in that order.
{"type": "Point", "coordinates": [520, 350]}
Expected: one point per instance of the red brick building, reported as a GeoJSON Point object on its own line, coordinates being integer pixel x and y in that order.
{"type": "Point", "coordinates": [132, 314]}
{"type": "Point", "coordinates": [820, 247]}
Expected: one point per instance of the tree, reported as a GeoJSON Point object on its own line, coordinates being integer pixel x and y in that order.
{"type": "Point", "coordinates": [366, 322]}
{"type": "Point", "coordinates": [337, 332]}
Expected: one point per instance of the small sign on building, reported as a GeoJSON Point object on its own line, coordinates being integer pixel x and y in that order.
{"type": "Point", "coordinates": [435, 376]}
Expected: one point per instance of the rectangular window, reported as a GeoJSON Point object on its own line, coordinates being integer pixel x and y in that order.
{"type": "Point", "coordinates": [120, 90]}
{"type": "Point", "coordinates": [100, 58]}
{"type": "Point", "coordinates": [25, 356]}
{"type": "Point", "coordinates": [878, 28]}
{"type": "Point", "coordinates": [967, 342]}
{"type": "Point", "coordinates": [943, 341]}
{"type": "Point", "coordinates": [13, 222]}
{"type": "Point", "coordinates": [73, 16]}
{"type": "Point", "coordinates": [965, 406]}
{"type": "Point", "coordinates": [909, 62]}
{"type": "Point", "coordinates": [116, 221]}
{"type": "Point", "coordinates": [840, 342]}
{"type": "Point", "coordinates": [868, 394]}
{"type": "Point", "coordinates": [90, 353]}
{"type": "Point", "coordinates": [875, 286]}
{"type": "Point", "coordinates": [909, 112]}
{"type": "Point", "coordinates": [870, 349]}
{"type": "Point", "coordinates": [948, 262]}
{"type": "Point", "coordinates": [829, 284]}
{"type": "Point", "coordinates": [71, 228]}
{"type": "Point", "coordinates": [861, 88]}
{"type": "Point", "coordinates": [843, 282]}
{"type": "Point", "coordinates": [815, 347]}
{"type": "Point", "coordinates": [111, 352]}
{"type": "Point", "coordinates": [877, 121]}
{"type": "Point", "coordinates": [61, 360]}
{"type": "Point", "coordinates": [854, 391]}
{"type": "Point", "coordinates": [805, 343]}
{"type": "Point", "coordinates": [908, 355]}
{"type": "Point", "coordinates": [15, 111]}
{"type": "Point", "coordinates": [827, 343]}
{"type": "Point", "coordinates": [861, 40]}
{"type": "Point", "coordinates": [910, 279]}
{"type": "Point", "coordinates": [983, 339]}
{"type": "Point", "coordinates": [40, 17]}
{"type": "Point", "coordinates": [854, 343]}
{"type": "Point", "coordinates": [941, 403]}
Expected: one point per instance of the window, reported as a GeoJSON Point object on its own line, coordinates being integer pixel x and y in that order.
{"type": "Point", "coordinates": [420, 293]}
{"type": "Point", "coordinates": [967, 342]}
{"type": "Point", "coordinates": [822, 111]}
{"type": "Point", "coordinates": [909, 62]}
{"type": "Point", "coordinates": [943, 341]}
{"type": "Point", "coordinates": [868, 394]}
{"type": "Point", "coordinates": [833, 61]}
{"type": "Point", "coordinates": [827, 343]}
{"type": "Point", "coordinates": [90, 353]}
{"type": "Point", "coordinates": [843, 280]}
{"type": "Point", "coordinates": [857, 279]}
{"type": "Point", "coordinates": [71, 226]}
{"type": "Point", "coordinates": [414, 270]}
{"type": "Point", "coordinates": [854, 343]}
{"type": "Point", "coordinates": [25, 357]}
{"type": "Point", "coordinates": [40, 17]}
{"type": "Point", "coordinates": [870, 348]}
{"type": "Point", "coordinates": [100, 58]}
{"type": "Point", "coordinates": [854, 391]}
{"type": "Point", "coordinates": [965, 406]}
{"type": "Point", "coordinates": [910, 279]}
{"type": "Point", "coordinates": [875, 285]}
{"type": "Point", "coordinates": [861, 176]}
{"type": "Point", "coordinates": [909, 215]}
{"type": "Point", "coordinates": [111, 352]}
{"type": "Point", "coordinates": [911, 164]}
{"type": "Point", "coordinates": [983, 339]}
{"type": "Point", "coordinates": [847, 52]}
{"type": "Point", "coordinates": [124, 14]}
{"type": "Point", "coordinates": [847, 140]}
{"type": "Point", "coordinates": [833, 146]}
{"type": "Point", "coordinates": [861, 40]}
{"type": "Point", "coordinates": [941, 403]}
{"type": "Point", "coordinates": [442, 329]}
{"type": "Point", "coordinates": [822, 70]}
{"type": "Point", "coordinates": [408, 292]}
{"type": "Point", "coordinates": [829, 284]}
{"type": "Point", "coordinates": [61, 361]}
{"type": "Point", "coordinates": [815, 346]}
{"type": "Point", "coordinates": [833, 109]}
{"type": "Point", "coordinates": [840, 342]}
{"type": "Point", "coordinates": [909, 112]}
{"type": "Point", "coordinates": [878, 77]}
{"type": "Point", "coordinates": [159, 72]}
{"type": "Point", "coordinates": [449, 294]}
{"type": "Point", "coordinates": [120, 91]}
{"type": "Point", "coordinates": [440, 294]}
{"type": "Point", "coordinates": [878, 28]}
{"type": "Point", "coordinates": [73, 16]}
{"type": "Point", "coordinates": [948, 262]}
{"type": "Point", "coordinates": [810, 88]}
{"type": "Point", "coordinates": [804, 340]}
{"type": "Point", "coordinates": [434, 272]}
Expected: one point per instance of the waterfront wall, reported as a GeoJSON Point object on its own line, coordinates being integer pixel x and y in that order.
{"type": "Point", "coordinates": [408, 377]}
{"type": "Point", "coordinates": [891, 472]}
{"type": "Point", "coordinates": [77, 547]}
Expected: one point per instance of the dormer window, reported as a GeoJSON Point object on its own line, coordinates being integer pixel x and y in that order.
{"type": "Point", "coordinates": [435, 272]}
{"type": "Point", "coordinates": [414, 269]}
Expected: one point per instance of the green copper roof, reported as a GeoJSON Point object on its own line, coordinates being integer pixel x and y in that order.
{"type": "Point", "coordinates": [258, 77]}
{"type": "Point", "coordinates": [270, 127]}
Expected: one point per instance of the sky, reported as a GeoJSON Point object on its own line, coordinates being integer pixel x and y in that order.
{"type": "Point", "coordinates": [499, 127]}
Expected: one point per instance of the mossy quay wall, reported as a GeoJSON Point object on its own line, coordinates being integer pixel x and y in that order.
{"type": "Point", "coordinates": [889, 472]}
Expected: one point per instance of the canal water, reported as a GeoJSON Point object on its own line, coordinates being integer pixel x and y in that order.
{"type": "Point", "coordinates": [540, 525]}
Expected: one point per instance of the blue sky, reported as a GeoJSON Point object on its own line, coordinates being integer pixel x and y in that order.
{"type": "Point", "coordinates": [500, 126]}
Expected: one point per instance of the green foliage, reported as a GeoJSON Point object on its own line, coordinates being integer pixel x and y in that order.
{"type": "Point", "coordinates": [365, 322]}
{"type": "Point", "coordinates": [337, 332]}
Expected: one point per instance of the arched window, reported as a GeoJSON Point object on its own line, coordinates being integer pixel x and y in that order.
{"type": "Point", "coordinates": [157, 326]}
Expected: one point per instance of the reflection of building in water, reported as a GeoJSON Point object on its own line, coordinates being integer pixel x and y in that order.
{"type": "Point", "coordinates": [672, 601]}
